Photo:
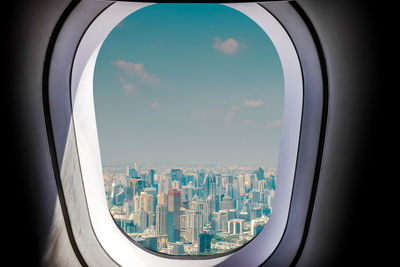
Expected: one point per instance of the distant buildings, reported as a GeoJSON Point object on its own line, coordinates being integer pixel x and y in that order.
{"type": "Point", "coordinates": [192, 212]}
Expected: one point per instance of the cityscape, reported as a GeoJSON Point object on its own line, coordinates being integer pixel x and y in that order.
{"type": "Point", "coordinates": [190, 210]}
{"type": "Point", "coordinates": [189, 105]}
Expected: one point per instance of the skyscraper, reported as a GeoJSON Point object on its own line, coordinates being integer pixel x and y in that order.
{"type": "Point", "coordinates": [260, 174]}
{"type": "Point", "coordinates": [205, 242]}
{"type": "Point", "coordinates": [147, 202]}
{"type": "Point", "coordinates": [235, 226]}
{"type": "Point", "coordinates": [256, 225]}
{"type": "Point", "coordinates": [194, 225]}
{"type": "Point", "coordinates": [161, 219]}
{"type": "Point", "coordinates": [176, 174]}
{"type": "Point", "coordinates": [227, 203]}
{"type": "Point", "coordinates": [210, 186]}
{"type": "Point", "coordinates": [150, 177]}
{"type": "Point", "coordinates": [174, 203]}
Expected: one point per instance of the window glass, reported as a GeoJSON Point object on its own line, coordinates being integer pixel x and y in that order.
{"type": "Point", "coordinates": [189, 102]}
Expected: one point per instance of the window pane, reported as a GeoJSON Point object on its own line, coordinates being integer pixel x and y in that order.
{"type": "Point", "coordinates": [189, 102]}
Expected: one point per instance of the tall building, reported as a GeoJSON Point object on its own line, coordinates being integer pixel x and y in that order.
{"type": "Point", "coordinates": [162, 199]}
{"type": "Point", "coordinates": [136, 186]}
{"type": "Point", "coordinates": [235, 226]}
{"type": "Point", "coordinates": [221, 220]}
{"type": "Point", "coordinates": [150, 177]}
{"type": "Point", "coordinates": [161, 219]}
{"type": "Point", "coordinates": [176, 175]}
{"type": "Point", "coordinates": [205, 242]}
{"type": "Point", "coordinates": [260, 174]}
{"type": "Point", "coordinates": [255, 212]}
{"type": "Point", "coordinates": [255, 195]}
{"type": "Point", "coordinates": [131, 172]}
{"type": "Point", "coordinates": [241, 184]}
{"type": "Point", "coordinates": [147, 202]}
{"type": "Point", "coordinates": [149, 242]}
{"type": "Point", "coordinates": [178, 249]}
{"type": "Point", "coordinates": [256, 225]}
{"type": "Point", "coordinates": [226, 203]}
{"type": "Point", "coordinates": [200, 179]}
{"type": "Point", "coordinates": [210, 186]}
{"type": "Point", "coordinates": [152, 191]}
{"type": "Point", "coordinates": [194, 225]}
{"type": "Point", "coordinates": [143, 220]}
{"type": "Point", "coordinates": [174, 204]}
{"type": "Point", "coordinates": [136, 203]}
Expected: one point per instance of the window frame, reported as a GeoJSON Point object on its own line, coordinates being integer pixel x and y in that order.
{"type": "Point", "coordinates": [71, 187]}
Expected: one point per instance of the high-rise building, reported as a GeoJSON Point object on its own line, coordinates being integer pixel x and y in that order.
{"type": "Point", "coordinates": [176, 184]}
{"type": "Point", "coordinates": [235, 226]}
{"type": "Point", "coordinates": [205, 242]}
{"type": "Point", "coordinates": [176, 175]}
{"type": "Point", "coordinates": [200, 179]}
{"type": "Point", "coordinates": [136, 186]}
{"type": "Point", "coordinates": [131, 172]}
{"type": "Point", "coordinates": [150, 177]}
{"type": "Point", "coordinates": [260, 174]}
{"type": "Point", "coordinates": [130, 224]}
{"type": "Point", "coordinates": [152, 191]}
{"type": "Point", "coordinates": [241, 184]}
{"type": "Point", "coordinates": [162, 199]}
{"type": "Point", "coordinates": [149, 242]}
{"type": "Point", "coordinates": [227, 203]}
{"type": "Point", "coordinates": [143, 220]}
{"type": "Point", "coordinates": [244, 215]}
{"type": "Point", "coordinates": [221, 220]}
{"type": "Point", "coordinates": [210, 186]}
{"type": "Point", "coordinates": [178, 249]}
{"type": "Point", "coordinates": [255, 196]}
{"type": "Point", "coordinates": [256, 225]}
{"type": "Point", "coordinates": [174, 203]}
{"type": "Point", "coordinates": [255, 212]}
{"type": "Point", "coordinates": [147, 202]}
{"type": "Point", "coordinates": [188, 192]}
{"type": "Point", "coordinates": [194, 225]}
{"type": "Point", "coordinates": [161, 219]}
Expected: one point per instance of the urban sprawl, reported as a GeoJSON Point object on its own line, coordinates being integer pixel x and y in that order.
{"type": "Point", "coordinates": [190, 210]}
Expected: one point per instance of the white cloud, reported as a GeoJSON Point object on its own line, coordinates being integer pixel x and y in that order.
{"type": "Point", "coordinates": [130, 89]}
{"type": "Point", "coordinates": [137, 69]}
{"type": "Point", "coordinates": [229, 46]}
{"type": "Point", "coordinates": [253, 103]}
{"type": "Point", "coordinates": [274, 124]}
{"type": "Point", "coordinates": [252, 124]}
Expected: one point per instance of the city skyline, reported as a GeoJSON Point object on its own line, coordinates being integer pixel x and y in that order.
{"type": "Point", "coordinates": [190, 211]}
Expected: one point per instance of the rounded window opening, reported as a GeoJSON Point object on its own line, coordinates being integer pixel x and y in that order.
{"type": "Point", "coordinates": [189, 104]}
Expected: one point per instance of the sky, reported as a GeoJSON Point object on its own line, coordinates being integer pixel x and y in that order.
{"type": "Point", "coordinates": [181, 83]}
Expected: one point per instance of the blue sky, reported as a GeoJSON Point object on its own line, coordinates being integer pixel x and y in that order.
{"type": "Point", "coordinates": [183, 83]}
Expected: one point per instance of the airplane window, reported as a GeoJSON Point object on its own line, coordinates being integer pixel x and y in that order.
{"type": "Point", "coordinates": [186, 126]}
{"type": "Point", "coordinates": [189, 106]}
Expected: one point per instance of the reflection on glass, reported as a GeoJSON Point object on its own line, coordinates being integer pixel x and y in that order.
{"type": "Point", "coordinates": [189, 101]}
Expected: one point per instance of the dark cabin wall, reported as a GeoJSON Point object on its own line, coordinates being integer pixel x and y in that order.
{"type": "Point", "coordinates": [30, 185]}
{"type": "Point", "coordinates": [349, 223]}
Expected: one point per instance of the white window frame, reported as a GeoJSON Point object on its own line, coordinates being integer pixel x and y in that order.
{"type": "Point", "coordinates": [122, 250]}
